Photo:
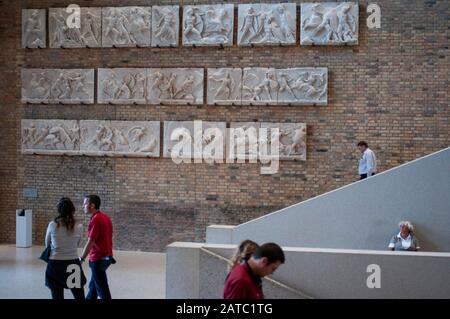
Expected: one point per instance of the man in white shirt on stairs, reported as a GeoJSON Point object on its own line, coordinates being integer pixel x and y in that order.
{"type": "Point", "coordinates": [368, 162]}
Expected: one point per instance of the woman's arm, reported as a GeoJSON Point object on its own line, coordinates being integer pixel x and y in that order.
{"type": "Point", "coordinates": [416, 244]}
{"type": "Point", "coordinates": [48, 236]}
{"type": "Point", "coordinates": [392, 242]}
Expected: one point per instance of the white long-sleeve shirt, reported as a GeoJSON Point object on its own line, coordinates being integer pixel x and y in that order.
{"type": "Point", "coordinates": [367, 163]}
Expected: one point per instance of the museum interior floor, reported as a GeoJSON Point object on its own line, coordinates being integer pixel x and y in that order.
{"type": "Point", "coordinates": [135, 275]}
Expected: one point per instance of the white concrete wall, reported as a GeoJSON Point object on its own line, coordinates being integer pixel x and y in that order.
{"type": "Point", "coordinates": [192, 273]}
{"type": "Point", "coordinates": [319, 273]}
{"type": "Point", "coordinates": [362, 215]}
{"type": "Point", "coordinates": [182, 270]}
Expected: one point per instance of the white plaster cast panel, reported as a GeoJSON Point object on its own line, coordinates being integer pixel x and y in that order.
{"type": "Point", "coordinates": [165, 26]}
{"type": "Point", "coordinates": [329, 23]}
{"type": "Point", "coordinates": [88, 35]}
{"type": "Point", "coordinates": [291, 137]}
{"type": "Point", "coordinates": [208, 24]}
{"type": "Point", "coordinates": [182, 131]}
{"type": "Point", "coordinates": [259, 86]}
{"type": "Point", "coordinates": [224, 86]}
{"type": "Point", "coordinates": [175, 86]}
{"type": "Point", "coordinates": [50, 137]}
{"type": "Point", "coordinates": [36, 85]}
{"type": "Point", "coordinates": [120, 138]}
{"type": "Point", "coordinates": [302, 86]}
{"type": "Point", "coordinates": [245, 139]}
{"type": "Point", "coordinates": [33, 28]}
{"type": "Point", "coordinates": [122, 86]}
{"type": "Point", "coordinates": [68, 86]}
{"type": "Point", "coordinates": [126, 26]}
{"type": "Point", "coordinates": [267, 24]}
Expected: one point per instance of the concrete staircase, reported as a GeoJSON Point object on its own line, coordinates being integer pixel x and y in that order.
{"type": "Point", "coordinates": [362, 215]}
{"type": "Point", "coordinates": [346, 232]}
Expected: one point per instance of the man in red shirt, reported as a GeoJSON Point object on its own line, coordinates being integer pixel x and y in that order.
{"type": "Point", "coordinates": [99, 248]}
{"type": "Point", "coordinates": [244, 280]}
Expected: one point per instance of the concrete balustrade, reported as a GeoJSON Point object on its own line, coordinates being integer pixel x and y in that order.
{"type": "Point", "coordinates": [194, 272]}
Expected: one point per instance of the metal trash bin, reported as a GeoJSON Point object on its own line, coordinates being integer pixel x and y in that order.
{"type": "Point", "coordinates": [23, 227]}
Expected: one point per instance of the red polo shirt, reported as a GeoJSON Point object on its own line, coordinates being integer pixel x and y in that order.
{"type": "Point", "coordinates": [242, 283]}
{"type": "Point", "coordinates": [100, 231]}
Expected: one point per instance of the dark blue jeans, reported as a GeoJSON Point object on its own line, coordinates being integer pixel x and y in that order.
{"type": "Point", "coordinates": [98, 286]}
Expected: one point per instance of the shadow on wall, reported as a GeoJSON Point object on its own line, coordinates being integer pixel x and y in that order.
{"type": "Point", "coordinates": [426, 243]}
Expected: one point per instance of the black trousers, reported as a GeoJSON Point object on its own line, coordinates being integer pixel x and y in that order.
{"type": "Point", "coordinates": [56, 275]}
{"type": "Point", "coordinates": [363, 176]}
{"type": "Point", "coordinates": [58, 293]}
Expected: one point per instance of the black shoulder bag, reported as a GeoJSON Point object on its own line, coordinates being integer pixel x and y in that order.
{"type": "Point", "coordinates": [45, 256]}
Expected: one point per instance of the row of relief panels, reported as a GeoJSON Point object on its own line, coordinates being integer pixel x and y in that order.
{"type": "Point", "coordinates": [142, 138]}
{"type": "Point", "coordinates": [179, 86]}
{"type": "Point", "coordinates": [326, 23]}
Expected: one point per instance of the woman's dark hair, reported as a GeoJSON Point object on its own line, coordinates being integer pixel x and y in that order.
{"type": "Point", "coordinates": [66, 209]}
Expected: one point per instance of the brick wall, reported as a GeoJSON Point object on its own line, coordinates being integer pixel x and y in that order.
{"type": "Point", "coordinates": [391, 90]}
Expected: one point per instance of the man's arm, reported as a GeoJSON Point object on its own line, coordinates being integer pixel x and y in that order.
{"type": "Point", "coordinates": [87, 248]}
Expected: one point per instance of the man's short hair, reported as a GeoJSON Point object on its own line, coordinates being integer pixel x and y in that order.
{"type": "Point", "coordinates": [271, 251]}
{"type": "Point", "coordinates": [94, 199]}
{"type": "Point", "coordinates": [363, 143]}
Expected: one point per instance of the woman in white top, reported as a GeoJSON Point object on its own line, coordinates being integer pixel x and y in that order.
{"type": "Point", "coordinates": [63, 236]}
{"type": "Point", "coordinates": [405, 239]}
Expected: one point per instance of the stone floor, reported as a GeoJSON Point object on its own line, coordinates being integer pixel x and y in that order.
{"type": "Point", "coordinates": [139, 275]}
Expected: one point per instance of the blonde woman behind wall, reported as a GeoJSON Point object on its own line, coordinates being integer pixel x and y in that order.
{"type": "Point", "coordinates": [243, 253]}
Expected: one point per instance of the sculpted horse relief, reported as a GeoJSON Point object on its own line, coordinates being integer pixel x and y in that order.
{"type": "Point", "coordinates": [208, 25]}
{"type": "Point", "coordinates": [50, 137]}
